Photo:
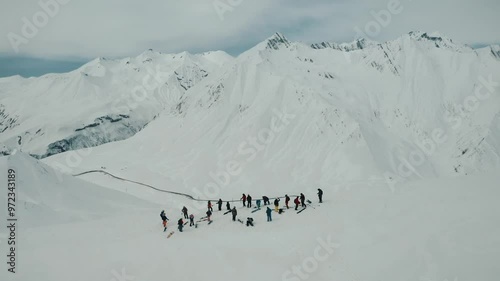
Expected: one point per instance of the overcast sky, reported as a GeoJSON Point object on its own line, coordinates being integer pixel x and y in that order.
{"type": "Point", "coordinates": [80, 30]}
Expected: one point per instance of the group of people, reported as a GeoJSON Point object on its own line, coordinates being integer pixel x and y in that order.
{"type": "Point", "coordinates": [247, 202]}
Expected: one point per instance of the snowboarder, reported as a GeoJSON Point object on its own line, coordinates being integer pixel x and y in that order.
{"type": "Point", "coordinates": [234, 213]}
{"type": "Point", "coordinates": [219, 203]}
{"type": "Point", "coordinates": [266, 200]}
{"type": "Point", "coordinates": [297, 202]}
{"type": "Point", "coordinates": [257, 202]}
{"type": "Point", "coordinates": [209, 205]}
{"type": "Point", "coordinates": [268, 212]}
{"type": "Point", "coordinates": [164, 219]}
{"type": "Point", "coordinates": [276, 204]}
{"type": "Point", "coordinates": [249, 200]}
{"type": "Point", "coordinates": [228, 206]}
{"type": "Point", "coordinates": [320, 195]}
{"type": "Point", "coordinates": [191, 220]}
{"type": "Point", "coordinates": [209, 213]}
{"type": "Point", "coordinates": [185, 212]}
{"type": "Point", "coordinates": [244, 199]}
{"type": "Point", "coordinates": [180, 224]}
{"type": "Point", "coordinates": [249, 222]}
{"type": "Point", "coordinates": [303, 199]}
{"type": "Point", "coordinates": [287, 200]}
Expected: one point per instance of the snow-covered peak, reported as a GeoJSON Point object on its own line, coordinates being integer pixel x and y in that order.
{"type": "Point", "coordinates": [358, 44]}
{"type": "Point", "coordinates": [277, 41]}
{"type": "Point", "coordinates": [435, 39]}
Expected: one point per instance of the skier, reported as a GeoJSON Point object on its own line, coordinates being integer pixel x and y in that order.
{"type": "Point", "coordinates": [249, 222]}
{"type": "Point", "coordinates": [210, 206]}
{"type": "Point", "coordinates": [266, 200]}
{"type": "Point", "coordinates": [209, 213]}
{"type": "Point", "coordinates": [268, 212]}
{"type": "Point", "coordinates": [297, 202]}
{"type": "Point", "coordinates": [287, 200]}
{"type": "Point", "coordinates": [185, 212]}
{"type": "Point", "coordinates": [180, 224]}
{"type": "Point", "coordinates": [244, 199]}
{"type": "Point", "coordinates": [228, 206]}
{"type": "Point", "coordinates": [320, 195]}
{"type": "Point", "coordinates": [234, 213]}
{"type": "Point", "coordinates": [276, 204]}
{"type": "Point", "coordinates": [249, 200]}
{"type": "Point", "coordinates": [303, 199]}
{"type": "Point", "coordinates": [220, 204]}
{"type": "Point", "coordinates": [257, 202]}
{"type": "Point", "coordinates": [164, 219]}
{"type": "Point", "coordinates": [191, 220]}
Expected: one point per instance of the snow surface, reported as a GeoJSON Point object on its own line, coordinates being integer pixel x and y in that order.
{"type": "Point", "coordinates": [444, 229]}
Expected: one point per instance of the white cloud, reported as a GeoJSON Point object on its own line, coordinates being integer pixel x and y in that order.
{"type": "Point", "coordinates": [94, 28]}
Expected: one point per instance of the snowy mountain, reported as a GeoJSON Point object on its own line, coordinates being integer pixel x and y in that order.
{"type": "Point", "coordinates": [415, 107]}
{"type": "Point", "coordinates": [103, 101]}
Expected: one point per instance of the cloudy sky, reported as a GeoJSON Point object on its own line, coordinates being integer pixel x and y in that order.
{"type": "Point", "coordinates": [61, 34]}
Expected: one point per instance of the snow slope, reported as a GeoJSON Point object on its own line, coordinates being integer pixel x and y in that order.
{"type": "Point", "coordinates": [442, 229]}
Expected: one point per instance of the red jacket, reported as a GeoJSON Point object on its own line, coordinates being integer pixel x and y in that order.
{"type": "Point", "coordinates": [244, 198]}
{"type": "Point", "coordinates": [296, 201]}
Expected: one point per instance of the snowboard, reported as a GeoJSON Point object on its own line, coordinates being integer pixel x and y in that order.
{"type": "Point", "coordinates": [170, 234]}
{"type": "Point", "coordinates": [300, 211]}
{"type": "Point", "coordinates": [210, 222]}
{"type": "Point", "coordinates": [256, 210]}
{"type": "Point", "coordinates": [227, 212]}
{"type": "Point", "coordinates": [186, 223]}
{"type": "Point", "coordinates": [240, 221]}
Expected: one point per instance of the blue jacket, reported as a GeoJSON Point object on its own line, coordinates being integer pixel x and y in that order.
{"type": "Point", "coordinates": [269, 211]}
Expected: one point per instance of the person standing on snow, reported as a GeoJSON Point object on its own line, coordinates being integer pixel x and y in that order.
{"type": "Point", "coordinates": [209, 213]}
{"type": "Point", "coordinates": [185, 212]}
{"type": "Point", "coordinates": [180, 224]}
{"type": "Point", "coordinates": [228, 206]}
{"type": "Point", "coordinates": [268, 212]}
{"type": "Point", "coordinates": [287, 200]}
{"type": "Point", "coordinates": [219, 203]}
{"type": "Point", "coordinates": [249, 222]}
{"type": "Point", "coordinates": [249, 200]}
{"type": "Point", "coordinates": [164, 219]}
{"type": "Point", "coordinates": [209, 205]}
{"type": "Point", "coordinates": [276, 204]}
{"type": "Point", "coordinates": [303, 199]}
{"type": "Point", "coordinates": [191, 220]}
{"type": "Point", "coordinates": [297, 202]}
{"type": "Point", "coordinates": [244, 199]}
{"type": "Point", "coordinates": [257, 202]}
{"type": "Point", "coordinates": [234, 213]}
{"type": "Point", "coordinates": [320, 195]}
